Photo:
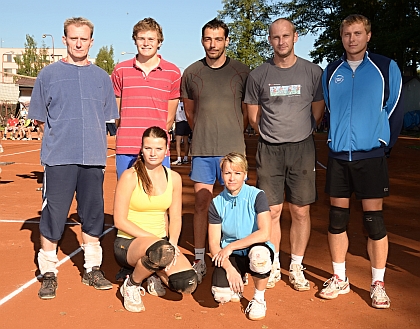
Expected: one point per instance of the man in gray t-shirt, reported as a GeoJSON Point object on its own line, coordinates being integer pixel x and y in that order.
{"type": "Point", "coordinates": [284, 101]}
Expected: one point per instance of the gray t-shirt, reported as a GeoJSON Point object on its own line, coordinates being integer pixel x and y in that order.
{"type": "Point", "coordinates": [217, 95]}
{"type": "Point", "coordinates": [285, 96]}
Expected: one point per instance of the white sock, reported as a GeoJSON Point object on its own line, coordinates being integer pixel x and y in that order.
{"type": "Point", "coordinates": [179, 159]}
{"type": "Point", "coordinates": [185, 158]}
{"type": "Point", "coordinates": [47, 261]}
{"type": "Point", "coordinates": [378, 274]}
{"type": "Point", "coordinates": [277, 258]}
{"type": "Point", "coordinates": [259, 295]}
{"type": "Point", "coordinates": [93, 255]}
{"type": "Point", "coordinates": [199, 253]}
{"type": "Point", "coordinates": [340, 270]}
{"type": "Point", "coordinates": [296, 259]}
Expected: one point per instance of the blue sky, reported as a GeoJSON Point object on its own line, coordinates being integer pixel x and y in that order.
{"type": "Point", "coordinates": [181, 21]}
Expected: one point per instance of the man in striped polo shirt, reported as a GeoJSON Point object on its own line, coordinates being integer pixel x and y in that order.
{"type": "Point", "coordinates": [147, 92]}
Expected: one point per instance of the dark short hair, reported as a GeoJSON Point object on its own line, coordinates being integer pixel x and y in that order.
{"type": "Point", "coordinates": [215, 24]}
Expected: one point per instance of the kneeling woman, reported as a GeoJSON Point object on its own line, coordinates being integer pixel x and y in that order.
{"type": "Point", "coordinates": [239, 230]}
{"type": "Point", "coordinates": [143, 195]}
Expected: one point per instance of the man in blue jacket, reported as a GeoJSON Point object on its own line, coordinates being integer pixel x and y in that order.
{"type": "Point", "coordinates": [362, 93]}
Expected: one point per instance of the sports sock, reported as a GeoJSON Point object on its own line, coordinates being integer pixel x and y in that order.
{"type": "Point", "coordinates": [178, 159]}
{"type": "Point", "coordinates": [47, 261]}
{"type": "Point", "coordinates": [340, 270]}
{"type": "Point", "coordinates": [185, 158]}
{"type": "Point", "coordinates": [378, 274]}
{"type": "Point", "coordinates": [131, 282]}
{"type": "Point", "coordinates": [296, 259]}
{"type": "Point", "coordinates": [277, 258]}
{"type": "Point", "coordinates": [259, 294]}
{"type": "Point", "coordinates": [93, 255]}
{"type": "Point", "coordinates": [199, 253]}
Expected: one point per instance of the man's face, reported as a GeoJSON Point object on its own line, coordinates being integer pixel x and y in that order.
{"type": "Point", "coordinates": [355, 40]}
{"type": "Point", "coordinates": [78, 42]}
{"type": "Point", "coordinates": [214, 43]}
{"type": "Point", "coordinates": [282, 39]}
{"type": "Point", "coordinates": [147, 43]}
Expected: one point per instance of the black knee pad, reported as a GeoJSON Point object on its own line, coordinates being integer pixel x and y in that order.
{"type": "Point", "coordinates": [373, 221]}
{"type": "Point", "coordinates": [339, 218]}
{"type": "Point", "coordinates": [184, 282]}
{"type": "Point", "coordinates": [158, 255]}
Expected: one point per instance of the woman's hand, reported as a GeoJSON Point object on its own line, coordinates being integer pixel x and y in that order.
{"type": "Point", "coordinates": [221, 255]}
{"type": "Point", "coordinates": [235, 280]}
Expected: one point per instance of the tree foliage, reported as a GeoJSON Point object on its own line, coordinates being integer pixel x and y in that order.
{"type": "Point", "coordinates": [105, 59]}
{"type": "Point", "coordinates": [395, 27]}
{"type": "Point", "coordinates": [248, 22]}
{"type": "Point", "coordinates": [32, 59]}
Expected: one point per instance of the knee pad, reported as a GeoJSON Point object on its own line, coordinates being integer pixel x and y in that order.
{"type": "Point", "coordinates": [259, 259]}
{"type": "Point", "coordinates": [184, 282]}
{"type": "Point", "coordinates": [373, 221]}
{"type": "Point", "coordinates": [159, 255]}
{"type": "Point", "coordinates": [339, 218]}
{"type": "Point", "coordinates": [222, 294]}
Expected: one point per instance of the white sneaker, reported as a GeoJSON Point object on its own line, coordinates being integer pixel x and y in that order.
{"type": "Point", "coordinates": [177, 162]}
{"type": "Point", "coordinates": [275, 275]}
{"type": "Point", "coordinates": [155, 286]}
{"type": "Point", "coordinates": [132, 297]}
{"type": "Point", "coordinates": [379, 297]}
{"type": "Point", "coordinates": [334, 287]}
{"type": "Point", "coordinates": [200, 268]}
{"type": "Point", "coordinates": [297, 279]}
{"type": "Point", "coordinates": [256, 309]}
{"type": "Point", "coordinates": [225, 295]}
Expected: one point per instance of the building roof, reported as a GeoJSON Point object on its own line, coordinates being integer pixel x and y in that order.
{"type": "Point", "coordinates": [25, 82]}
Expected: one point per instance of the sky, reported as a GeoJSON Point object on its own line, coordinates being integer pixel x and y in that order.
{"type": "Point", "coordinates": [181, 21]}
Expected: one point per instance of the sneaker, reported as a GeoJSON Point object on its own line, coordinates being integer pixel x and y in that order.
{"type": "Point", "coordinates": [177, 162]}
{"type": "Point", "coordinates": [256, 309]}
{"type": "Point", "coordinates": [297, 279]}
{"type": "Point", "coordinates": [224, 295]}
{"type": "Point", "coordinates": [200, 268]}
{"type": "Point", "coordinates": [334, 287]}
{"type": "Point", "coordinates": [48, 286]}
{"type": "Point", "coordinates": [132, 297]}
{"type": "Point", "coordinates": [96, 279]}
{"type": "Point", "coordinates": [185, 161]}
{"type": "Point", "coordinates": [275, 275]}
{"type": "Point", "coordinates": [379, 297]}
{"type": "Point", "coordinates": [123, 273]}
{"type": "Point", "coordinates": [155, 286]}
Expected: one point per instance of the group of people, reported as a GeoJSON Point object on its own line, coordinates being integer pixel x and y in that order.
{"type": "Point", "coordinates": [283, 100]}
{"type": "Point", "coordinates": [21, 129]}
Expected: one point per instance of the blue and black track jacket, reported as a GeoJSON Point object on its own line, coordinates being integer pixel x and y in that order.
{"type": "Point", "coordinates": [365, 111]}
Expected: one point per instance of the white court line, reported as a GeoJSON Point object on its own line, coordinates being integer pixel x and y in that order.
{"type": "Point", "coordinates": [37, 222]}
{"type": "Point", "coordinates": [31, 282]}
{"type": "Point", "coordinates": [321, 165]}
{"type": "Point", "coordinates": [4, 155]}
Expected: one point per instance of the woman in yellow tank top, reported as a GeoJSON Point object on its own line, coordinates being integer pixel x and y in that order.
{"type": "Point", "coordinates": [144, 194]}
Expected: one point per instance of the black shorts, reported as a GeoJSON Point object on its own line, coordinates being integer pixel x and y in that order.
{"type": "Point", "coordinates": [182, 129]}
{"type": "Point", "coordinates": [111, 128]}
{"type": "Point", "coordinates": [121, 246]}
{"type": "Point", "coordinates": [60, 184]}
{"type": "Point", "coordinates": [241, 264]}
{"type": "Point", "coordinates": [367, 178]}
{"type": "Point", "coordinates": [287, 168]}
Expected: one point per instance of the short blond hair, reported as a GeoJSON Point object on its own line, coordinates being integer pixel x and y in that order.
{"type": "Point", "coordinates": [237, 160]}
{"type": "Point", "coordinates": [354, 19]}
{"type": "Point", "coordinates": [78, 21]}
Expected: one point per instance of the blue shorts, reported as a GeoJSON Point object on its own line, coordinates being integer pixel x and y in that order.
{"type": "Point", "coordinates": [125, 161]}
{"type": "Point", "coordinates": [206, 169]}
{"type": "Point", "coordinates": [60, 184]}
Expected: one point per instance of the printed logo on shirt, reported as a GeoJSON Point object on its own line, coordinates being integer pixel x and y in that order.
{"type": "Point", "coordinates": [278, 90]}
{"type": "Point", "coordinates": [339, 79]}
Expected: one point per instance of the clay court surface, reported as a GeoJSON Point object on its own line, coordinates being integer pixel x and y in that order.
{"type": "Point", "coordinates": [80, 306]}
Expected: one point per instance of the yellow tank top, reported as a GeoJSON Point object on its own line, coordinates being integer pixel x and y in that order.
{"type": "Point", "coordinates": [148, 212]}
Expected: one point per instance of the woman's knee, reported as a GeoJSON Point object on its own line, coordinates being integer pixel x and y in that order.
{"type": "Point", "coordinates": [184, 282]}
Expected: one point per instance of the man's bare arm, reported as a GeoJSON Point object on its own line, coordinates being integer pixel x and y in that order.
{"type": "Point", "coordinates": [189, 111]}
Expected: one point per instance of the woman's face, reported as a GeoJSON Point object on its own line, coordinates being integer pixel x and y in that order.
{"type": "Point", "coordinates": [233, 177]}
{"type": "Point", "coordinates": [154, 150]}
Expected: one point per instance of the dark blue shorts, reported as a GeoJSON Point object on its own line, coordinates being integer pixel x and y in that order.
{"type": "Point", "coordinates": [60, 185]}
{"type": "Point", "coordinates": [182, 128]}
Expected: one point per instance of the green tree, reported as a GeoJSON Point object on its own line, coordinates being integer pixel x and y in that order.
{"type": "Point", "coordinates": [395, 27]}
{"type": "Point", "coordinates": [32, 59]}
{"type": "Point", "coordinates": [248, 22]}
{"type": "Point", "coordinates": [105, 59]}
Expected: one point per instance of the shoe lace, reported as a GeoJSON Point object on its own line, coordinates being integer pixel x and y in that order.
{"type": "Point", "coordinates": [379, 292]}
{"type": "Point", "coordinates": [298, 274]}
{"type": "Point", "coordinates": [253, 305]}
{"type": "Point", "coordinates": [134, 293]}
{"type": "Point", "coordinates": [49, 283]}
{"type": "Point", "coordinates": [97, 275]}
{"type": "Point", "coordinates": [331, 282]}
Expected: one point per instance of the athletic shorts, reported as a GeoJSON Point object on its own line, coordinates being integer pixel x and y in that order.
{"type": "Point", "coordinates": [241, 264]}
{"type": "Point", "coordinates": [367, 178]}
{"type": "Point", "coordinates": [287, 170]}
{"type": "Point", "coordinates": [111, 128]}
{"type": "Point", "coordinates": [125, 161]}
{"type": "Point", "coordinates": [60, 184]}
{"type": "Point", "coordinates": [121, 246]}
{"type": "Point", "coordinates": [182, 128]}
{"type": "Point", "coordinates": [206, 169]}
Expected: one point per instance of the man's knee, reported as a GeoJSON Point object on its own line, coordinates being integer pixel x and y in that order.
{"type": "Point", "coordinates": [184, 282]}
{"type": "Point", "coordinates": [159, 255]}
{"type": "Point", "coordinates": [374, 224]}
{"type": "Point", "coordinates": [260, 259]}
{"type": "Point", "coordinates": [339, 218]}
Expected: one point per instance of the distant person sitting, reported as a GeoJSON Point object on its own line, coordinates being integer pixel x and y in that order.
{"type": "Point", "coordinates": [11, 128]}
{"type": "Point", "coordinates": [182, 131]}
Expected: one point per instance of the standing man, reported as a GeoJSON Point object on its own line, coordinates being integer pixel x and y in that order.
{"type": "Point", "coordinates": [284, 102]}
{"type": "Point", "coordinates": [213, 90]}
{"type": "Point", "coordinates": [147, 91]}
{"type": "Point", "coordinates": [362, 92]}
{"type": "Point", "coordinates": [182, 132]}
{"type": "Point", "coordinates": [73, 98]}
